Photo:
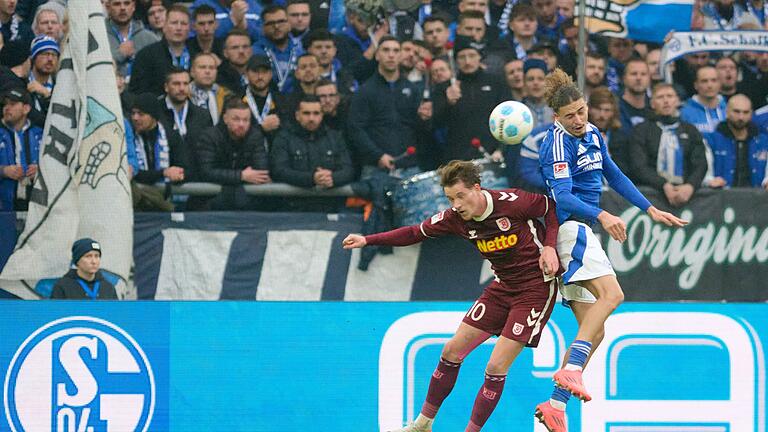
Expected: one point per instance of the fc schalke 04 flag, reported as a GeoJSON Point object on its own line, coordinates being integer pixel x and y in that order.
{"type": "Point", "coordinates": [82, 187]}
{"type": "Point", "coordinates": [642, 20]}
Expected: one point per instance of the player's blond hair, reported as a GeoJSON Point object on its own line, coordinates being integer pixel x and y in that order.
{"type": "Point", "coordinates": [459, 171]}
{"type": "Point", "coordinates": [559, 90]}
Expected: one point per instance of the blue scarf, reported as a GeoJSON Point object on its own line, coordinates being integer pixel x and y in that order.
{"type": "Point", "coordinates": [183, 61]}
{"type": "Point", "coordinates": [160, 148]}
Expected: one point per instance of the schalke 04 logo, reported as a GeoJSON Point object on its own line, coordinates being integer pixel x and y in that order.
{"type": "Point", "coordinates": [79, 374]}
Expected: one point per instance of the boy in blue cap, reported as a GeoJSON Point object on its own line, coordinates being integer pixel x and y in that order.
{"type": "Point", "coordinates": [84, 281]}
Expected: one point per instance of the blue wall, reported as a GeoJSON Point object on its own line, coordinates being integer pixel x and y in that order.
{"type": "Point", "coordinates": [263, 366]}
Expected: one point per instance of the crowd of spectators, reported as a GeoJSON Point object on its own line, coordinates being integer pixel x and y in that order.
{"type": "Point", "coordinates": [321, 93]}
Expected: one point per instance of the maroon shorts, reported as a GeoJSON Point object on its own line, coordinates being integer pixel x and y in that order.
{"type": "Point", "coordinates": [520, 316]}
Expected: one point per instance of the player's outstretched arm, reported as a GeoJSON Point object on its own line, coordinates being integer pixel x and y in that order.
{"type": "Point", "coordinates": [354, 241]}
{"type": "Point", "coordinates": [666, 218]}
{"type": "Point", "coordinates": [613, 225]}
{"type": "Point", "coordinates": [404, 236]}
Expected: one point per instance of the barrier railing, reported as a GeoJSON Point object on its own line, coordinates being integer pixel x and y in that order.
{"type": "Point", "coordinates": [270, 189]}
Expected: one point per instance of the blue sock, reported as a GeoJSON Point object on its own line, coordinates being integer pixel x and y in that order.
{"type": "Point", "coordinates": [579, 353]}
{"type": "Point", "coordinates": [560, 395]}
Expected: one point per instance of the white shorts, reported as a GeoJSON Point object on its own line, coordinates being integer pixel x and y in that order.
{"type": "Point", "coordinates": [582, 258]}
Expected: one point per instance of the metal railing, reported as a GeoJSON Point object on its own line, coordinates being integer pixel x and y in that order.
{"type": "Point", "coordinates": [270, 189]}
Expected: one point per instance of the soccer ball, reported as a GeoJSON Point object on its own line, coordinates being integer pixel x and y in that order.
{"type": "Point", "coordinates": [511, 122]}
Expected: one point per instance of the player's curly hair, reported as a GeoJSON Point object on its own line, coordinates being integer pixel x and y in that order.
{"type": "Point", "coordinates": [559, 90]}
{"type": "Point", "coordinates": [459, 170]}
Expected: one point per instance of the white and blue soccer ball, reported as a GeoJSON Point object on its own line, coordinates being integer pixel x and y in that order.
{"type": "Point", "coordinates": [510, 122]}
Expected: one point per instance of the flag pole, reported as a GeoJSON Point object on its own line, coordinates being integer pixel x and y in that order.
{"type": "Point", "coordinates": [581, 67]}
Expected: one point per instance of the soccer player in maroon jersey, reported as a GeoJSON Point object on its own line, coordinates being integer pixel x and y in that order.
{"type": "Point", "coordinates": [504, 226]}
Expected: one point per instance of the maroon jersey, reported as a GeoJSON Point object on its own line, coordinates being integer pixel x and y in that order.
{"type": "Point", "coordinates": [508, 234]}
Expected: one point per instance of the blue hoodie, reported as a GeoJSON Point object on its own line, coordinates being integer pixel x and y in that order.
{"type": "Point", "coordinates": [705, 119]}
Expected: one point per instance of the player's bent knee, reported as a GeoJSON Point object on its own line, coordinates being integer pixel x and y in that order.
{"type": "Point", "coordinates": [497, 367]}
{"type": "Point", "coordinates": [614, 297]}
{"type": "Point", "coordinates": [451, 352]}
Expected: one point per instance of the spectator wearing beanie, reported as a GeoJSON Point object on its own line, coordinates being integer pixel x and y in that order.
{"type": "Point", "coordinates": [45, 64]}
{"type": "Point", "coordinates": [85, 280]}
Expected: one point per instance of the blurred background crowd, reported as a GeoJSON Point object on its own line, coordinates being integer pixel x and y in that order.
{"type": "Point", "coordinates": [325, 93]}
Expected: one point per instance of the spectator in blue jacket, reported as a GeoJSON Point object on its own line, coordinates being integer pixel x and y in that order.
{"type": "Point", "coordinates": [242, 14]}
{"type": "Point", "coordinates": [740, 149]}
{"type": "Point", "coordinates": [19, 150]}
{"type": "Point", "coordinates": [705, 109]}
{"type": "Point", "coordinates": [282, 51]}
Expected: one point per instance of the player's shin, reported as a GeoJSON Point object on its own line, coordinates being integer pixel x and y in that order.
{"type": "Point", "coordinates": [486, 401]}
{"type": "Point", "coordinates": [440, 386]}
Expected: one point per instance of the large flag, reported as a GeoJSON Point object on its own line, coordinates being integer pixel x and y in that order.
{"type": "Point", "coordinates": [82, 188]}
{"type": "Point", "coordinates": [642, 20]}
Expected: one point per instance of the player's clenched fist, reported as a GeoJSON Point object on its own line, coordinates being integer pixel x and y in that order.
{"type": "Point", "coordinates": [354, 241]}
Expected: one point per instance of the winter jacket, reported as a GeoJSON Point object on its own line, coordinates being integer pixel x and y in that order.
{"type": "Point", "coordinates": [297, 153]}
{"type": "Point", "coordinates": [467, 119]}
{"type": "Point", "coordinates": [198, 119]}
{"type": "Point", "coordinates": [68, 287]}
{"type": "Point", "coordinates": [221, 159]}
{"type": "Point", "coordinates": [644, 149]}
{"type": "Point", "coordinates": [703, 118]}
{"type": "Point", "coordinates": [383, 119]}
{"type": "Point", "coordinates": [728, 159]}
{"type": "Point", "coordinates": [229, 77]}
{"type": "Point", "coordinates": [180, 155]}
{"type": "Point", "coordinates": [150, 68]}
{"type": "Point", "coordinates": [30, 153]}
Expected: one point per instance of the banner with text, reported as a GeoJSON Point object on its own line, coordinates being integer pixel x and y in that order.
{"type": "Point", "coordinates": [721, 255]}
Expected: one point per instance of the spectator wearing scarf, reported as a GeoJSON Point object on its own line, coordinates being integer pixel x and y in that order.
{"type": "Point", "coordinates": [667, 153]}
{"type": "Point", "coordinates": [19, 150]}
{"type": "Point", "coordinates": [160, 152]}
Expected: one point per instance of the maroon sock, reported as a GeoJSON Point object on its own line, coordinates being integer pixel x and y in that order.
{"type": "Point", "coordinates": [441, 384]}
{"type": "Point", "coordinates": [486, 401]}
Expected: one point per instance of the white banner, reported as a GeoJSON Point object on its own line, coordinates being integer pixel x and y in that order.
{"type": "Point", "coordinates": [684, 43]}
{"type": "Point", "coordinates": [82, 188]}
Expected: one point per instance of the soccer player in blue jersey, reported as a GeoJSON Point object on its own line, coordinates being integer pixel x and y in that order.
{"type": "Point", "coordinates": [574, 159]}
